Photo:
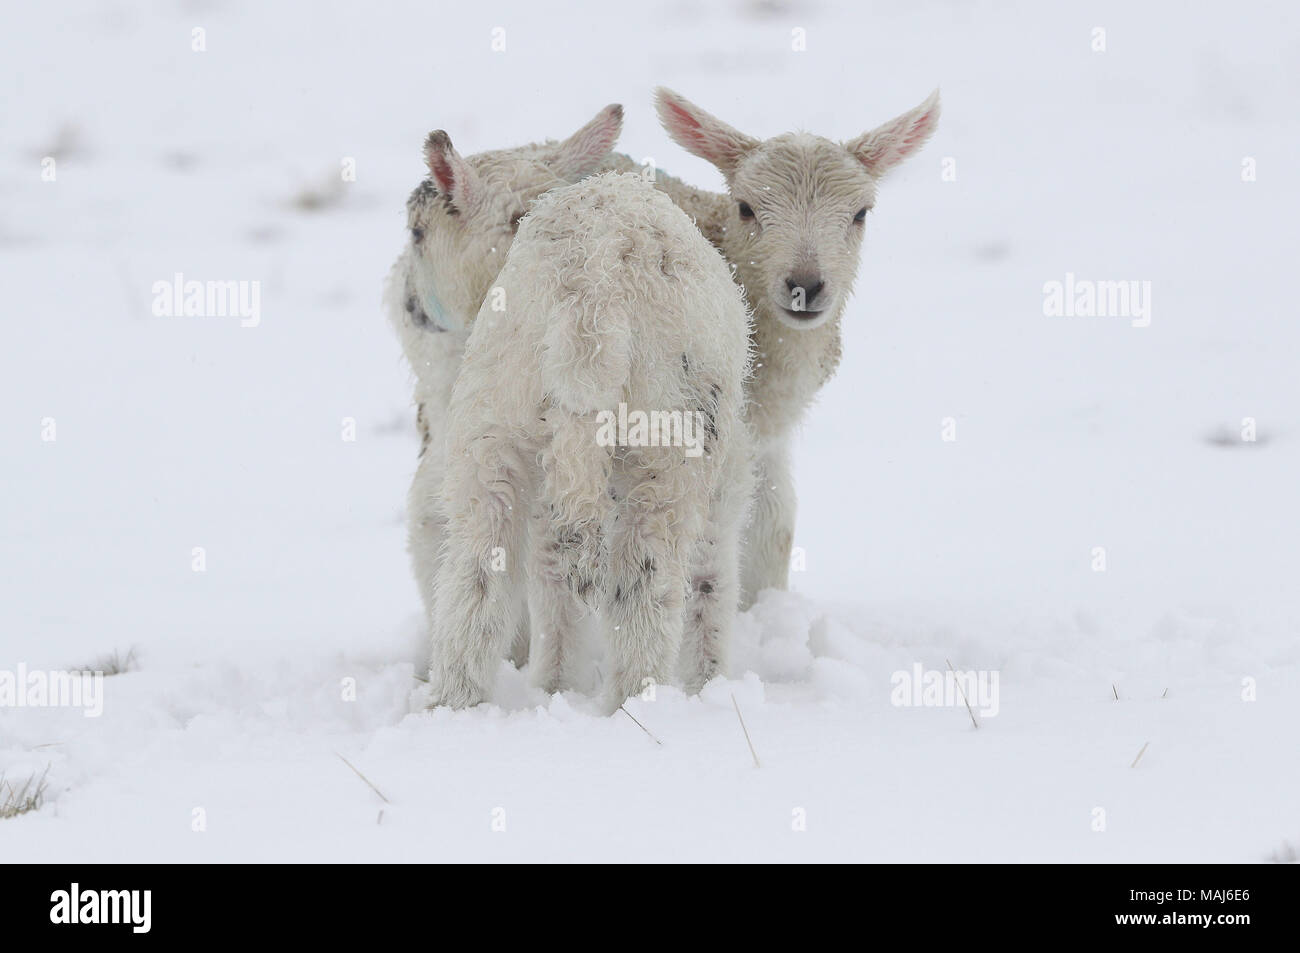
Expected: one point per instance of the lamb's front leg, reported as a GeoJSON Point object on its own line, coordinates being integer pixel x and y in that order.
{"type": "Point", "coordinates": [477, 594]}
{"type": "Point", "coordinates": [714, 582]}
{"type": "Point", "coordinates": [765, 560]}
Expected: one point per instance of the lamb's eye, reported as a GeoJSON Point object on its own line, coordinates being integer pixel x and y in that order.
{"type": "Point", "coordinates": [746, 211]}
{"type": "Point", "coordinates": [861, 216]}
{"type": "Point", "coordinates": [417, 235]}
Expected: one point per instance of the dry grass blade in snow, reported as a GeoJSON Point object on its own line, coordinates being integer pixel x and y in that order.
{"type": "Point", "coordinates": [957, 680]}
{"type": "Point", "coordinates": [746, 731]}
{"type": "Point", "coordinates": [29, 796]}
{"type": "Point", "coordinates": [1139, 755]}
{"type": "Point", "coordinates": [639, 725]}
{"type": "Point", "coordinates": [114, 663]}
{"type": "Point", "coordinates": [366, 779]}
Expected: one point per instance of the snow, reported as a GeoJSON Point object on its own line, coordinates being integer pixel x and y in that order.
{"type": "Point", "coordinates": [1071, 433]}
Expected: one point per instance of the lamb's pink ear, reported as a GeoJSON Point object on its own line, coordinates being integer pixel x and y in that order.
{"type": "Point", "coordinates": [701, 134]}
{"type": "Point", "coordinates": [584, 151]}
{"type": "Point", "coordinates": [884, 147]}
{"type": "Point", "coordinates": [450, 173]}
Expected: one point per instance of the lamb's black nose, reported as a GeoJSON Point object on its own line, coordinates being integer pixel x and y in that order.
{"type": "Point", "coordinates": [811, 284]}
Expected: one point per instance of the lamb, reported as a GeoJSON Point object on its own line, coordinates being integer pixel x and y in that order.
{"type": "Point", "coordinates": [791, 225]}
{"type": "Point", "coordinates": [610, 299]}
{"type": "Point", "coordinates": [461, 221]}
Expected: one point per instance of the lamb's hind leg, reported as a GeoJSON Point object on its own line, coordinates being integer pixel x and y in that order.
{"type": "Point", "coordinates": [561, 579]}
{"type": "Point", "coordinates": [427, 531]}
{"type": "Point", "coordinates": [645, 588]}
{"type": "Point", "coordinates": [520, 645]}
{"type": "Point", "coordinates": [477, 595]}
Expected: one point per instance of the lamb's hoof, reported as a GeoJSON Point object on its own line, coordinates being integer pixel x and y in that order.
{"type": "Point", "coordinates": [695, 681]}
{"type": "Point", "coordinates": [519, 654]}
{"type": "Point", "coordinates": [613, 698]}
{"type": "Point", "coordinates": [451, 691]}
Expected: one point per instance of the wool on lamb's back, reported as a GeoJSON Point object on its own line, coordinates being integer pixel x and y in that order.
{"type": "Point", "coordinates": [615, 297]}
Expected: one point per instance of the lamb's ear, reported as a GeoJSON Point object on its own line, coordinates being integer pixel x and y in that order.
{"type": "Point", "coordinates": [453, 176]}
{"type": "Point", "coordinates": [701, 134]}
{"type": "Point", "coordinates": [584, 151]}
{"type": "Point", "coordinates": [884, 147]}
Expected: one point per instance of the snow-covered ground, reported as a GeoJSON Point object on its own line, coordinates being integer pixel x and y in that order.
{"type": "Point", "coordinates": [1072, 433]}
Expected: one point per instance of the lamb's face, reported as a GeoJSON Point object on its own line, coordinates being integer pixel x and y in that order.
{"type": "Point", "coordinates": [800, 207]}
{"type": "Point", "coordinates": [800, 202]}
{"type": "Point", "coordinates": [463, 217]}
